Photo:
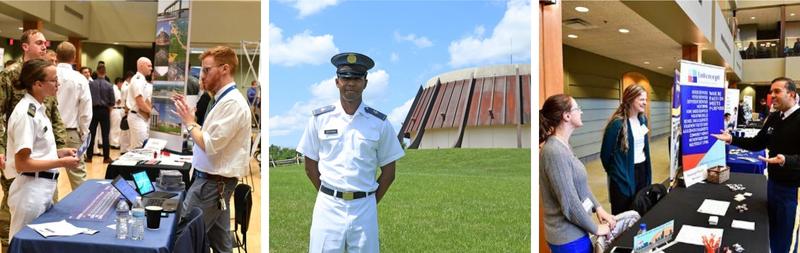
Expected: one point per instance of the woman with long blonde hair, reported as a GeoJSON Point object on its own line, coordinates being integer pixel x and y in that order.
{"type": "Point", "coordinates": [625, 152]}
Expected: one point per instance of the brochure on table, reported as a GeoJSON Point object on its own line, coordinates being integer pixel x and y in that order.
{"type": "Point", "coordinates": [660, 235]}
{"type": "Point", "coordinates": [702, 104]}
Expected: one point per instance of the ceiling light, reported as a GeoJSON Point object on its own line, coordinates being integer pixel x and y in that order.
{"type": "Point", "coordinates": [659, 67]}
{"type": "Point", "coordinates": [572, 36]}
{"type": "Point", "coordinates": [20, 28]}
{"type": "Point", "coordinates": [116, 43]}
{"type": "Point", "coordinates": [752, 17]}
{"type": "Point", "coordinates": [791, 14]}
{"type": "Point", "coordinates": [623, 30]}
{"type": "Point", "coordinates": [646, 62]}
{"type": "Point", "coordinates": [581, 9]}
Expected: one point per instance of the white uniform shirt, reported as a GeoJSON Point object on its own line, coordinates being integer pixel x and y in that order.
{"type": "Point", "coordinates": [74, 98]}
{"type": "Point", "coordinates": [226, 135]}
{"type": "Point", "coordinates": [123, 94]}
{"type": "Point", "coordinates": [31, 132]}
{"type": "Point", "coordinates": [117, 95]}
{"type": "Point", "coordinates": [350, 148]}
{"type": "Point", "coordinates": [639, 131]}
{"type": "Point", "coordinates": [139, 87]}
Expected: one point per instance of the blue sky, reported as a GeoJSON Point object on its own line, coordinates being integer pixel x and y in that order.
{"type": "Point", "coordinates": [410, 41]}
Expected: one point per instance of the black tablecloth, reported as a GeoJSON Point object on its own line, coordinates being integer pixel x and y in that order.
{"type": "Point", "coordinates": [152, 171]}
{"type": "Point", "coordinates": [681, 205]}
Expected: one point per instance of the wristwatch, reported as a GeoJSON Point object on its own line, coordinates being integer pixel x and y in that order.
{"type": "Point", "coordinates": [190, 127]}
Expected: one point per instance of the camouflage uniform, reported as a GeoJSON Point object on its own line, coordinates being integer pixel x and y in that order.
{"type": "Point", "coordinates": [9, 97]}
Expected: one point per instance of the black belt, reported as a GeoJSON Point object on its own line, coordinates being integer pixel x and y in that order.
{"type": "Point", "coordinates": [42, 174]}
{"type": "Point", "coordinates": [72, 129]}
{"type": "Point", "coordinates": [344, 195]}
{"type": "Point", "coordinates": [119, 107]}
{"type": "Point", "coordinates": [201, 174]}
{"type": "Point", "coordinates": [134, 112]}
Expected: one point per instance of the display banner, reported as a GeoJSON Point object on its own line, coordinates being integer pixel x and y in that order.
{"type": "Point", "coordinates": [675, 127]}
{"type": "Point", "coordinates": [170, 67]}
{"type": "Point", "coordinates": [732, 104]}
{"type": "Point", "coordinates": [702, 113]}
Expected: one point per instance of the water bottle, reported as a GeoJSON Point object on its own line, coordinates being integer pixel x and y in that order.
{"type": "Point", "coordinates": [137, 224]}
{"type": "Point", "coordinates": [642, 229]}
{"type": "Point", "coordinates": [122, 219]}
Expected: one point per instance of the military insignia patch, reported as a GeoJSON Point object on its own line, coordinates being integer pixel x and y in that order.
{"type": "Point", "coordinates": [31, 110]}
{"type": "Point", "coordinates": [323, 110]}
{"type": "Point", "coordinates": [351, 58]}
{"type": "Point", "coordinates": [375, 113]}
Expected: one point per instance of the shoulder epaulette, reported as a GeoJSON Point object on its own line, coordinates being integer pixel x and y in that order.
{"type": "Point", "coordinates": [31, 110]}
{"type": "Point", "coordinates": [375, 113]}
{"type": "Point", "coordinates": [323, 110]}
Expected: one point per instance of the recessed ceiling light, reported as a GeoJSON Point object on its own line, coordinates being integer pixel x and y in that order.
{"type": "Point", "coordinates": [572, 36]}
{"type": "Point", "coordinates": [20, 28]}
{"type": "Point", "coordinates": [623, 30]}
{"type": "Point", "coordinates": [659, 67]}
{"type": "Point", "coordinates": [116, 43]}
{"type": "Point", "coordinates": [791, 14]}
{"type": "Point", "coordinates": [581, 9]}
{"type": "Point", "coordinates": [752, 17]}
{"type": "Point", "coordinates": [646, 62]}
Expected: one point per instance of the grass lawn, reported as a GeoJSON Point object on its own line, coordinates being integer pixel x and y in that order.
{"type": "Point", "coordinates": [449, 200]}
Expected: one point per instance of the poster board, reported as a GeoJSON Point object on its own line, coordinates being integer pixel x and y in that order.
{"type": "Point", "coordinates": [702, 111]}
{"type": "Point", "coordinates": [675, 127]}
{"type": "Point", "coordinates": [732, 104]}
{"type": "Point", "coordinates": [170, 67]}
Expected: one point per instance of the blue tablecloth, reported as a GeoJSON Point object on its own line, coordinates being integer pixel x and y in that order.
{"type": "Point", "coordinates": [105, 241]}
{"type": "Point", "coordinates": [739, 162]}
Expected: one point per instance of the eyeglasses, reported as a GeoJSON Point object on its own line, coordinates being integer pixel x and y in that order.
{"type": "Point", "coordinates": [208, 69]}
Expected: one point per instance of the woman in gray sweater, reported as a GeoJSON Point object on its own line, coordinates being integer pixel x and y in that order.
{"type": "Point", "coordinates": [568, 202]}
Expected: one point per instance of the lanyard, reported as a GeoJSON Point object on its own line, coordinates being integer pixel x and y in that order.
{"type": "Point", "coordinates": [221, 96]}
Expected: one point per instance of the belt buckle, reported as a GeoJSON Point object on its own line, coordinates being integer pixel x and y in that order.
{"type": "Point", "coordinates": [347, 195]}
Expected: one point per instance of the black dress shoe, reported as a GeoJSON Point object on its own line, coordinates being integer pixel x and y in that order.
{"type": "Point", "coordinates": [107, 160]}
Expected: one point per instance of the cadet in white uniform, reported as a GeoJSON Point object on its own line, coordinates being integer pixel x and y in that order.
{"type": "Point", "coordinates": [74, 104]}
{"type": "Point", "coordinates": [140, 104]}
{"type": "Point", "coordinates": [32, 148]}
{"type": "Point", "coordinates": [222, 144]}
{"type": "Point", "coordinates": [343, 145]}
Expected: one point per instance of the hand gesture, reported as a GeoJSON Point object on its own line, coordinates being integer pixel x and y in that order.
{"type": "Point", "coordinates": [778, 159]}
{"type": "Point", "coordinates": [67, 152]}
{"type": "Point", "coordinates": [602, 229]}
{"type": "Point", "coordinates": [724, 135]}
{"type": "Point", "coordinates": [69, 162]}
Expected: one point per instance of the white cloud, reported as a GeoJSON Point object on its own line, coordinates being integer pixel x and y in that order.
{"type": "Point", "coordinates": [325, 93]}
{"type": "Point", "coordinates": [511, 36]}
{"type": "Point", "coordinates": [395, 57]}
{"type": "Point", "coordinates": [301, 48]}
{"type": "Point", "coordinates": [309, 7]}
{"type": "Point", "coordinates": [398, 114]}
{"type": "Point", "coordinates": [420, 42]}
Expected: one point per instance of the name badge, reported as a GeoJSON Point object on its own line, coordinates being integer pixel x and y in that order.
{"type": "Point", "coordinates": [331, 131]}
{"type": "Point", "coordinates": [587, 205]}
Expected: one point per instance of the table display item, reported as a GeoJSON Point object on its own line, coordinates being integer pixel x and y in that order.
{"type": "Point", "coordinates": [719, 174]}
{"type": "Point", "coordinates": [122, 219]}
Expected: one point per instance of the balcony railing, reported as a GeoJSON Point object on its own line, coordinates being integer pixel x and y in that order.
{"type": "Point", "coordinates": [759, 49]}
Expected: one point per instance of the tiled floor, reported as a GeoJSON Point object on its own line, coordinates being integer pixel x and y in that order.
{"type": "Point", "coordinates": [597, 176]}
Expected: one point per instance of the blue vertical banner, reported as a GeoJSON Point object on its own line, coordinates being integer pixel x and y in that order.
{"type": "Point", "coordinates": [702, 109]}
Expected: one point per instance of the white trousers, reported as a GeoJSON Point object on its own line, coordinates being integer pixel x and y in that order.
{"type": "Point", "coordinates": [139, 130]}
{"type": "Point", "coordinates": [28, 198]}
{"type": "Point", "coordinates": [116, 116]}
{"type": "Point", "coordinates": [344, 225]}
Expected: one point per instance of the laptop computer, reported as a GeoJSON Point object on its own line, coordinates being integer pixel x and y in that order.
{"type": "Point", "coordinates": [130, 194]}
{"type": "Point", "coordinates": [146, 189]}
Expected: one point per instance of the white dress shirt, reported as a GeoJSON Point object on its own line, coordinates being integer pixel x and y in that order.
{"type": "Point", "coordinates": [31, 132]}
{"type": "Point", "coordinates": [350, 148]}
{"type": "Point", "coordinates": [226, 135]}
{"type": "Point", "coordinates": [74, 99]}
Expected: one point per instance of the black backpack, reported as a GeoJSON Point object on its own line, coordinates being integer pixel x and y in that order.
{"type": "Point", "coordinates": [647, 198]}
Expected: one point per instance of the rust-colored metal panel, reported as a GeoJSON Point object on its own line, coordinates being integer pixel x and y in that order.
{"type": "Point", "coordinates": [452, 107]}
{"type": "Point", "coordinates": [435, 119]}
{"type": "Point", "coordinates": [419, 110]}
{"type": "Point", "coordinates": [474, 109]}
{"type": "Point", "coordinates": [498, 101]}
{"type": "Point", "coordinates": [441, 116]}
{"type": "Point", "coordinates": [462, 103]}
{"type": "Point", "coordinates": [526, 99]}
{"type": "Point", "coordinates": [512, 114]}
{"type": "Point", "coordinates": [436, 102]}
{"type": "Point", "coordinates": [487, 99]}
